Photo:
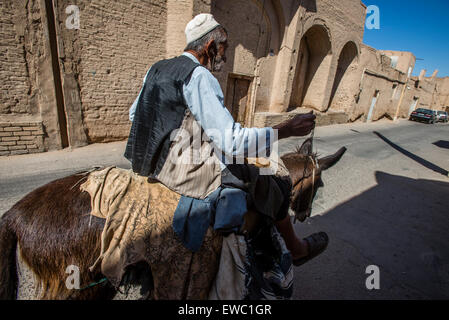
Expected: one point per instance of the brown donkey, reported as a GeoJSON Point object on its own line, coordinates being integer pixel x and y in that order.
{"type": "Point", "coordinates": [53, 229]}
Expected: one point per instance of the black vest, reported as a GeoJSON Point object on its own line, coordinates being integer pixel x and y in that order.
{"type": "Point", "coordinates": [160, 110]}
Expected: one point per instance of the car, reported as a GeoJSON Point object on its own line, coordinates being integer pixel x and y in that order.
{"type": "Point", "coordinates": [442, 116]}
{"type": "Point", "coordinates": [424, 115]}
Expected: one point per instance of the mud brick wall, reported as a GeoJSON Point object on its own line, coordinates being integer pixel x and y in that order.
{"type": "Point", "coordinates": [107, 59]}
{"type": "Point", "coordinates": [20, 49]}
{"type": "Point", "coordinates": [21, 138]}
{"type": "Point", "coordinates": [27, 87]}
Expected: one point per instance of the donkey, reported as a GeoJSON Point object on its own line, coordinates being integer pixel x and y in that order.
{"type": "Point", "coordinates": [51, 227]}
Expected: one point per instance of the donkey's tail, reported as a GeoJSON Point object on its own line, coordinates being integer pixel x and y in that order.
{"type": "Point", "coordinates": [8, 273]}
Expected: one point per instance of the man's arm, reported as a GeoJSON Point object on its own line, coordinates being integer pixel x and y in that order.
{"type": "Point", "coordinates": [204, 98]}
{"type": "Point", "coordinates": [133, 108]}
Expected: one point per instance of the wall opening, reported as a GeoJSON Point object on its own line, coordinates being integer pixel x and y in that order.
{"type": "Point", "coordinates": [347, 57]}
{"type": "Point", "coordinates": [312, 69]}
{"type": "Point", "coordinates": [394, 93]}
{"type": "Point", "coordinates": [238, 96]}
{"type": "Point", "coordinates": [369, 118]}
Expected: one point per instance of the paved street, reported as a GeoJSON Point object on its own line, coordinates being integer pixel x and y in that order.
{"type": "Point", "coordinates": [385, 204]}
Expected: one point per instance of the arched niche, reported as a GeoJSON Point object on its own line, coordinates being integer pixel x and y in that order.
{"type": "Point", "coordinates": [312, 69]}
{"type": "Point", "coordinates": [345, 80]}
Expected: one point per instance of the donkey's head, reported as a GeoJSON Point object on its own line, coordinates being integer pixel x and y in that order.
{"type": "Point", "coordinates": [305, 172]}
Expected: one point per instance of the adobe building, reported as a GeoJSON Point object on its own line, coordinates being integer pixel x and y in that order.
{"type": "Point", "coordinates": [65, 86]}
{"type": "Point", "coordinates": [401, 60]}
{"type": "Point", "coordinates": [442, 93]}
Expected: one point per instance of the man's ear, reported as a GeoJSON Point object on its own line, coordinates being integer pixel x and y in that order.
{"type": "Point", "coordinates": [211, 49]}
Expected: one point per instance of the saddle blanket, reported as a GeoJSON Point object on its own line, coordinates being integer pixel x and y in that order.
{"type": "Point", "coordinates": [138, 227]}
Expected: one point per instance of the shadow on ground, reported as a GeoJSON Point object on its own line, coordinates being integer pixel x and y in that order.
{"type": "Point", "coordinates": [429, 165]}
{"type": "Point", "coordinates": [389, 226]}
{"type": "Point", "coordinates": [442, 144]}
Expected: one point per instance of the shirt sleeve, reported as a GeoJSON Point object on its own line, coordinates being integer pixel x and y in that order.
{"type": "Point", "coordinates": [133, 108]}
{"type": "Point", "coordinates": [205, 100]}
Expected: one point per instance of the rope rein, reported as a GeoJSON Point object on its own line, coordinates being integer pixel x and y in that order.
{"type": "Point", "coordinates": [93, 284]}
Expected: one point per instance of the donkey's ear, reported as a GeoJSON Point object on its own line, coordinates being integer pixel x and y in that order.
{"type": "Point", "coordinates": [306, 148]}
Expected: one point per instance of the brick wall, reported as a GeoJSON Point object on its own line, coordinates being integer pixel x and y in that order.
{"type": "Point", "coordinates": [21, 138]}
{"type": "Point", "coordinates": [109, 56]}
{"type": "Point", "coordinates": [20, 47]}
{"type": "Point", "coordinates": [27, 88]}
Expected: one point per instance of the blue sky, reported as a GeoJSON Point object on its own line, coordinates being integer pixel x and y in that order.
{"type": "Point", "coordinates": [421, 27]}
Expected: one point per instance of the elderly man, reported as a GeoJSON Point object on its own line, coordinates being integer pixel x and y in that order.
{"type": "Point", "coordinates": [182, 93]}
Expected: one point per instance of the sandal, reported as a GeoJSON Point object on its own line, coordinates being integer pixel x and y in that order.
{"type": "Point", "coordinates": [317, 244]}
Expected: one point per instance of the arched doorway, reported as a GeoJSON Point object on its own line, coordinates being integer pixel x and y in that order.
{"type": "Point", "coordinates": [312, 69]}
{"type": "Point", "coordinates": [341, 95]}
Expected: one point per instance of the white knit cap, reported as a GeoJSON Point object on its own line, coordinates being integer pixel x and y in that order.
{"type": "Point", "coordinates": [199, 26]}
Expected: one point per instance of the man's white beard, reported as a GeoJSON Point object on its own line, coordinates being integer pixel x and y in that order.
{"type": "Point", "coordinates": [216, 64]}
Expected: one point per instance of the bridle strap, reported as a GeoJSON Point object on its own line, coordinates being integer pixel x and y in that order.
{"type": "Point", "coordinates": [304, 177]}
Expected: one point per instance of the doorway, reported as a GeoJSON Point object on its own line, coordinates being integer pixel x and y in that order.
{"type": "Point", "coordinates": [373, 105]}
{"type": "Point", "coordinates": [237, 97]}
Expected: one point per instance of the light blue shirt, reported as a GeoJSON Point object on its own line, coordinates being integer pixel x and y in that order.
{"type": "Point", "coordinates": [205, 100]}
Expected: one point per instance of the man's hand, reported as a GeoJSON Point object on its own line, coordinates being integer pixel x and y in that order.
{"type": "Point", "coordinates": [299, 126]}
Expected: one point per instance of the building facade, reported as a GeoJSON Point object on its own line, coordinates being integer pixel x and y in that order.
{"type": "Point", "coordinates": [71, 69]}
